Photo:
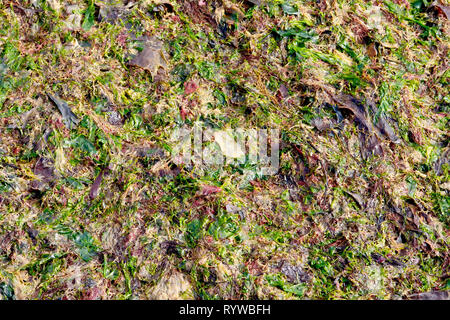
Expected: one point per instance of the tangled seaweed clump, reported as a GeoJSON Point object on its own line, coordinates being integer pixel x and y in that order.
{"type": "Point", "coordinates": [93, 206]}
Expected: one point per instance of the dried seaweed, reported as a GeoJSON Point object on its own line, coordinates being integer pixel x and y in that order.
{"type": "Point", "coordinates": [151, 58]}
{"type": "Point", "coordinates": [70, 119]}
{"type": "Point", "coordinates": [357, 209]}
